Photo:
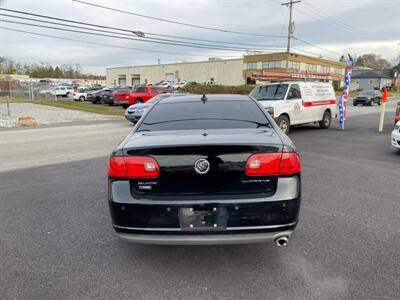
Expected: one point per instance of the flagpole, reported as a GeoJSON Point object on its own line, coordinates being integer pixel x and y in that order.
{"type": "Point", "coordinates": [345, 94]}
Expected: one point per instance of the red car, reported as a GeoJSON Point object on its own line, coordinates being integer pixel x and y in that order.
{"type": "Point", "coordinates": [140, 94]}
{"type": "Point", "coordinates": [120, 94]}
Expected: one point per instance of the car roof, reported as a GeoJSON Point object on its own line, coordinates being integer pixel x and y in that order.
{"type": "Point", "coordinates": [210, 97]}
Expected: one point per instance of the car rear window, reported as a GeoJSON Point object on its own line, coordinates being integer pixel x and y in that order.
{"type": "Point", "coordinates": [140, 89]}
{"type": "Point", "coordinates": [208, 115]}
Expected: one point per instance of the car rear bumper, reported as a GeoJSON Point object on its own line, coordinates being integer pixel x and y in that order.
{"type": "Point", "coordinates": [121, 102]}
{"type": "Point", "coordinates": [106, 100]}
{"type": "Point", "coordinates": [244, 220]}
{"type": "Point", "coordinates": [209, 239]}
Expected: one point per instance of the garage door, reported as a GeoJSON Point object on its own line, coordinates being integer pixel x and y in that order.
{"type": "Point", "coordinates": [135, 79]}
{"type": "Point", "coordinates": [170, 77]}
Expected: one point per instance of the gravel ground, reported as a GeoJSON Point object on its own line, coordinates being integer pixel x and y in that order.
{"type": "Point", "coordinates": [45, 115]}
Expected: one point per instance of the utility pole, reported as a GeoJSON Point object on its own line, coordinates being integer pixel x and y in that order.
{"type": "Point", "coordinates": [291, 23]}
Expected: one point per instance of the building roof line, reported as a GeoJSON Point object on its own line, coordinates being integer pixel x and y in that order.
{"type": "Point", "coordinates": [178, 63]}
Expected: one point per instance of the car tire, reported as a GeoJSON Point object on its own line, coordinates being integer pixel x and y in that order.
{"type": "Point", "coordinates": [82, 98]}
{"type": "Point", "coordinates": [111, 103]}
{"type": "Point", "coordinates": [138, 101]}
{"type": "Point", "coordinates": [325, 123]}
{"type": "Point", "coordinates": [354, 104]}
{"type": "Point", "coordinates": [125, 106]}
{"type": "Point", "coordinates": [284, 124]}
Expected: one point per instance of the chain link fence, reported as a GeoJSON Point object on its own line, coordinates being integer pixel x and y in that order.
{"type": "Point", "coordinates": [19, 91]}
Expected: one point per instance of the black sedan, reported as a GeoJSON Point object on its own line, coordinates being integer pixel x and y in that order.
{"type": "Point", "coordinates": [212, 169]}
{"type": "Point", "coordinates": [368, 97]}
{"type": "Point", "coordinates": [101, 96]}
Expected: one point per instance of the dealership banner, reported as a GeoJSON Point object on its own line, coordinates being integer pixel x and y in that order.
{"type": "Point", "coordinates": [345, 94]}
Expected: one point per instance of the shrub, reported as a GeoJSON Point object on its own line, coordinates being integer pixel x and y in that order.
{"type": "Point", "coordinates": [217, 89]}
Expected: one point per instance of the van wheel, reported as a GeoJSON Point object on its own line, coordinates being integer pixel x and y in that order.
{"type": "Point", "coordinates": [284, 124]}
{"type": "Point", "coordinates": [326, 120]}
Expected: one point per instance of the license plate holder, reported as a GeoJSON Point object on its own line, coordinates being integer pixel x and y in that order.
{"type": "Point", "coordinates": [203, 219]}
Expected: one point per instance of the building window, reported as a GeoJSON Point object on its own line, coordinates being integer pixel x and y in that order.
{"type": "Point", "coordinates": [357, 81]}
{"type": "Point", "coordinates": [337, 71]}
{"type": "Point", "coordinates": [311, 68]}
{"type": "Point", "coordinates": [274, 64]}
{"type": "Point", "coordinates": [370, 81]}
{"type": "Point", "coordinates": [251, 66]}
{"type": "Point", "coordinates": [325, 69]}
{"type": "Point", "coordinates": [294, 65]}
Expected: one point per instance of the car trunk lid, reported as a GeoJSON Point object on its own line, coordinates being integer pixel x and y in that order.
{"type": "Point", "coordinates": [225, 151]}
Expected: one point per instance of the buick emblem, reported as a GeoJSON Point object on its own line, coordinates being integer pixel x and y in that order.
{"type": "Point", "coordinates": [202, 166]}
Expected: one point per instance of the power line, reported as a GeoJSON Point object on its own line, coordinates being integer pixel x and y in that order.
{"type": "Point", "coordinates": [313, 53]}
{"type": "Point", "coordinates": [104, 44]}
{"type": "Point", "coordinates": [123, 37]}
{"type": "Point", "coordinates": [130, 31]}
{"type": "Point", "coordinates": [317, 16]}
{"type": "Point", "coordinates": [177, 22]}
{"type": "Point", "coordinates": [315, 46]}
{"type": "Point", "coordinates": [123, 34]}
{"type": "Point", "coordinates": [337, 22]}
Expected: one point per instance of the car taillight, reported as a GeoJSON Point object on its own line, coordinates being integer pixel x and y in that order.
{"type": "Point", "coordinates": [133, 167]}
{"type": "Point", "coordinates": [273, 164]}
{"type": "Point", "coordinates": [127, 97]}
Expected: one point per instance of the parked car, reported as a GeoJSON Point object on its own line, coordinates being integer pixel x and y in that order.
{"type": "Point", "coordinates": [141, 94]}
{"type": "Point", "coordinates": [368, 97]}
{"type": "Point", "coordinates": [106, 97]}
{"type": "Point", "coordinates": [397, 114]}
{"type": "Point", "coordinates": [120, 94]}
{"type": "Point", "coordinates": [81, 94]}
{"type": "Point", "coordinates": [295, 103]}
{"type": "Point", "coordinates": [96, 96]}
{"type": "Point", "coordinates": [396, 136]}
{"type": "Point", "coordinates": [212, 169]}
{"type": "Point", "coordinates": [58, 91]}
{"type": "Point", "coordinates": [179, 85]}
{"type": "Point", "coordinates": [165, 85]}
{"type": "Point", "coordinates": [134, 112]}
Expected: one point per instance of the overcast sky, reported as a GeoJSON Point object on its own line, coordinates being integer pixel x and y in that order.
{"type": "Point", "coordinates": [339, 26]}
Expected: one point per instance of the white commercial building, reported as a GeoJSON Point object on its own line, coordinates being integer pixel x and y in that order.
{"type": "Point", "coordinates": [226, 72]}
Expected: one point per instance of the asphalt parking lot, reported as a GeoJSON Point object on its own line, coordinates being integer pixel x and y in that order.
{"type": "Point", "coordinates": [56, 240]}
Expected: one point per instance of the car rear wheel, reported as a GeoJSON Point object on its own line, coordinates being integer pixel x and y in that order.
{"type": "Point", "coordinates": [284, 124]}
{"type": "Point", "coordinates": [354, 104]}
{"type": "Point", "coordinates": [325, 123]}
{"type": "Point", "coordinates": [82, 98]}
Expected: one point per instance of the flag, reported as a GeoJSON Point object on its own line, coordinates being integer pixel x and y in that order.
{"type": "Point", "coordinates": [345, 94]}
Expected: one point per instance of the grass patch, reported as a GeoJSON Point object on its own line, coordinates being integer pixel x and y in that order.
{"type": "Point", "coordinates": [83, 106]}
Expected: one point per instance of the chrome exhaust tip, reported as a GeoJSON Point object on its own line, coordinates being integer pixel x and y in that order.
{"type": "Point", "coordinates": [282, 241]}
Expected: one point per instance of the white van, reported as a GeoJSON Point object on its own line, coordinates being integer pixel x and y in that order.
{"type": "Point", "coordinates": [298, 102]}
